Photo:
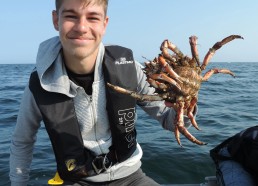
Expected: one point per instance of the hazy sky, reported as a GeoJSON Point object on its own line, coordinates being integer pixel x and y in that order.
{"type": "Point", "coordinates": [140, 25]}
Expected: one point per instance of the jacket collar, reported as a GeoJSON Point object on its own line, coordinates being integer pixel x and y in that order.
{"type": "Point", "coordinates": [51, 69]}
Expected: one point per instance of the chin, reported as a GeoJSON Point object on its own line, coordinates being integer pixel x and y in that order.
{"type": "Point", "coordinates": [81, 54]}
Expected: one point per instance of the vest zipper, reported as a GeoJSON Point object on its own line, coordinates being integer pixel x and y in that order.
{"type": "Point", "coordinates": [94, 121]}
{"type": "Point", "coordinates": [92, 109]}
{"type": "Point", "coordinates": [90, 99]}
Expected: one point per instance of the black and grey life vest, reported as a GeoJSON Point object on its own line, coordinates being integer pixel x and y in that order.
{"type": "Point", "coordinates": [73, 159]}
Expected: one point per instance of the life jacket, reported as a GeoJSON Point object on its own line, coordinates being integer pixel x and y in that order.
{"type": "Point", "coordinates": [243, 148]}
{"type": "Point", "coordinates": [73, 159]}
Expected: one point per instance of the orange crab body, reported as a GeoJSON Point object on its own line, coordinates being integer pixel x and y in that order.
{"type": "Point", "coordinates": [191, 80]}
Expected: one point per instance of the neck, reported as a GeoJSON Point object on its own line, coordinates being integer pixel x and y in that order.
{"type": "Point", "coordinates": [80, 66]}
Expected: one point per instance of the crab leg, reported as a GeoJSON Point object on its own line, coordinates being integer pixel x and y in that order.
{"type": "Point", "coordinates": [208, 74]}
{"type": "Point", "coordinates": [179, 122]}
{"type": "Point", "coordinates": [217, 46]}
{"type": "Point", "coordinates": [177, 135]}
{"type": "Point", "coordinates": [136, 95]}
{"type": "Point", "coordinates": [189, 136]}
{"type": "Point", "coordinates": [190, 113]}
{"type": "Point", "coordinates": [157, 84]}
{"type": "Point", "coordinates": [181, 128]}
{"type": "Point", "coordinates": [151, 65]}
{"type": "Point", "coordinates": [193, 43]}
{"type": "Point", "coordinates": [168, 69]}
{"type": "Point", "coordinates": [168, 45]}
{"type": "Point", "coordinates": [164, 77]}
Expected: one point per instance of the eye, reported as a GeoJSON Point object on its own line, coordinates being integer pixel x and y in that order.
{"type": "Point", "coordinates": [71, 16]}
{"type": "Point", "coordinates": [93, 18]}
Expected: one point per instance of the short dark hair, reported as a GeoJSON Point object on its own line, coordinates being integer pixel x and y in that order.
{"type": "Point", "coordinates": [100, 2]}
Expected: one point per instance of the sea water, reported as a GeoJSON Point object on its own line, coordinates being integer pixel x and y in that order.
{"type": "Point", "coordinates": [226, 106]}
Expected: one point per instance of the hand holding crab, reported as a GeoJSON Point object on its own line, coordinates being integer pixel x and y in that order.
{"type": "Point", "coordinates": [177, 79]}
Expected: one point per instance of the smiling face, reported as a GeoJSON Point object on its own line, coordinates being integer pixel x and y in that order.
{"type": "Point", "coordinates": [81, 27]}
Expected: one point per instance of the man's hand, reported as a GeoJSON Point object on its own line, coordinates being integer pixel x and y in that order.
{"type": "Point", "coordinates": [169, 104]}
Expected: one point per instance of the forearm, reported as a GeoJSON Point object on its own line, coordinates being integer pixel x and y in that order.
{"type": "Point", "coordinates": [23, 139]}
{"type": "Point", "coordinates": [20, 161]}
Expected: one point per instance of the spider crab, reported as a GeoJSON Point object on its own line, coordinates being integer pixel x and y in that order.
{"type": "Point", "coordinates": [177, 79]}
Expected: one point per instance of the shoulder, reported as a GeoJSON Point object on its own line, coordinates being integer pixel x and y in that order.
{"type": "Point", "coordinates": [112, 46]}
{"type": "Point", "coordinates": [117, 51]}
{"type": "Point", "coordinates": [47, 52]}
{"type": "Point", "coordinates": [49, 46]}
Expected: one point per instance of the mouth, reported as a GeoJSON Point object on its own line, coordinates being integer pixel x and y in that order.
{"type": "Point", "coordinates": [80, 40]}
{"type": "Point", "coordinates": [80, 37]}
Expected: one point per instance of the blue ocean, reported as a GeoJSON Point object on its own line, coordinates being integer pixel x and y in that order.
{"type": "Point", "coordinates": [226, 106]}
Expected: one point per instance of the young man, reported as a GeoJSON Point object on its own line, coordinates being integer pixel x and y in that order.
{"type": "Point", "coordinates": [91, 128]}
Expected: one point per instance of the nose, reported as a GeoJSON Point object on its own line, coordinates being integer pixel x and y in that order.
{"type": "Point", "coordinates": [81, 25]}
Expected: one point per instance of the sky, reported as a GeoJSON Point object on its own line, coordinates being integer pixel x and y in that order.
{"type": "Point", "coordinates": [141, 25]}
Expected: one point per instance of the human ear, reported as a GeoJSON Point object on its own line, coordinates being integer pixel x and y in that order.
{"type": "Point", "coordinates": [55, 19]}
{"type": "Point", "coordinates": [105, 24]}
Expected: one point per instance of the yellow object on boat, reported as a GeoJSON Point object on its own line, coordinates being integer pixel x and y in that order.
{"type": "Point", "coordinates": [56, 180]}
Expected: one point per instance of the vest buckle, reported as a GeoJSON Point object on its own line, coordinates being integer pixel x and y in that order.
{"type": "Point", "coordinates": [101, 163]}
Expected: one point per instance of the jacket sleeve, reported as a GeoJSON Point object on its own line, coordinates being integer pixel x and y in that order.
{"type": "Point", "coordinates": [23, 139]}
{"type": "Point", "coordinates": [156, 109]}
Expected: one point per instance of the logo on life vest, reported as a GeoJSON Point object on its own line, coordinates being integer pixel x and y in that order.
{"type": "Point", "coordinates": [70, 164]}
{"type": "Point", "coordinates": [123, 61]}
{"type": "Point", "coordinates": [127, 118]}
